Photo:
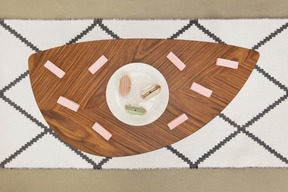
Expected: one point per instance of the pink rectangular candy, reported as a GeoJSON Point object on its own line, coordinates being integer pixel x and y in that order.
{"type": "Point", "coordinates": [68, 103]}
{"type": "Point", "coordinates": [102, 131]}
{"type": "Point", "coordinates": [98, 64]}
{"type": "Point", "coordinates": [180, 119]}
{"type": "Point", "coordinates": [54, 69]}
{"type": "Point", "coordinates": [201, 90]}
{"type": "Point", "coordinates": [227, 63]}
{"type": "Point", "coordinates": [176, 61]}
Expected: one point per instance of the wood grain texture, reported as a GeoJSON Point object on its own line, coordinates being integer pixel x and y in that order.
{"type": "Point", "coordinates": [88, 90]}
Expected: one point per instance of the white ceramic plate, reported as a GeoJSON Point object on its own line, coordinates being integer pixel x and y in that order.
{"type": "Point", "coordinates": [142, 76]}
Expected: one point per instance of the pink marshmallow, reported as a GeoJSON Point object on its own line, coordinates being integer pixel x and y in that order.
{"type": "Point", "coordinates": [98, 64]}
{"type": "Point", "coordinates": [177, 121]}
{"type": "Point", "coordinates": [54, 69]}
{"type": "Point", "coordinates": [176, 61]}
{"type": "Point", "coordinates": [227, 63]}
{"type": "Point", "coordinates": [102, 131]}
{"type": "Point", "coordinates": [201, 90]}
{"type": "Point", "coordinates": [68, 103]}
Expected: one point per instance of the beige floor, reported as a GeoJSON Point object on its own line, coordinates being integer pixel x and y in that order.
{"type": "Point", "coordinates": [142, 9]}
{"type": "Point", "coordinates": [214, 180]}
{"type": "Point", "coordinates": [144, 180]}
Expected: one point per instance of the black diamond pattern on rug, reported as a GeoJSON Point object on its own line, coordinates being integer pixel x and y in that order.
{"type": "Point", "coordinates": [198, 150]}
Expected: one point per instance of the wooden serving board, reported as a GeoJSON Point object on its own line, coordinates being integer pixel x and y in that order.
{"type": "Point", "coordinates": [88, 90]}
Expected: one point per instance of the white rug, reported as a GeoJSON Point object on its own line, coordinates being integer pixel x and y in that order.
{"type": "Point", "coordinates": [251, 132]}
